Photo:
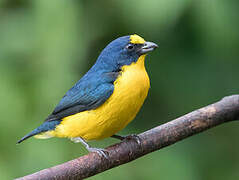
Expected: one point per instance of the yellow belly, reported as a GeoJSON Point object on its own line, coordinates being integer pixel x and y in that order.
{"type": "Point", "coordinates": [131, 89]}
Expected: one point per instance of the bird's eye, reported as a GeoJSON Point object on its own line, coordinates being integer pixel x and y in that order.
{"type": "Point", "coordinates": [130, 47]}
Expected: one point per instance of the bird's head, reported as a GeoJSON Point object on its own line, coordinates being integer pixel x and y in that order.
{"type": "Point", "coordinates": [124, 51]}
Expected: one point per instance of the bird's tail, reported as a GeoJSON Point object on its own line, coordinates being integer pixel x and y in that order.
{"type": "Point", "coordinates": [46, 126]}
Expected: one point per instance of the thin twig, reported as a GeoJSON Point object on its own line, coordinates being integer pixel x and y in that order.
{"type": "Point", "coordinates": [154, 139]}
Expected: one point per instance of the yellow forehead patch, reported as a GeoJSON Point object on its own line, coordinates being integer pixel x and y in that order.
{"type": "Point", "coordinates": [135, 39]}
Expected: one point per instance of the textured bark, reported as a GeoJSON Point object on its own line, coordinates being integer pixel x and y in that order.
{"type": "Point", "coordinates": [154, 139]}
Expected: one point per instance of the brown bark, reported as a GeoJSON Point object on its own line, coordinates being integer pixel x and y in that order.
{"type": "Point", "coordinates": [154, 139]}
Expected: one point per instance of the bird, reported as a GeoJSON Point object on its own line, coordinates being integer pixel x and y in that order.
{"type": "Point", "coordinates": [106, 99]}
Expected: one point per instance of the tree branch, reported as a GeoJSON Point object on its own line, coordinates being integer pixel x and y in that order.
{"type": "Point", "coordinates": [154, 139]}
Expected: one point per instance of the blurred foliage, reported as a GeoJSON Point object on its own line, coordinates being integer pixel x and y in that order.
{"type": "Point", "coordinates": [46, 46]}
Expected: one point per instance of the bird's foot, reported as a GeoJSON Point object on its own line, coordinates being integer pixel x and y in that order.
{"type": "Point", "coordinates": [100, 151]}
{"type": "Point", "coordinates": [134, 137]}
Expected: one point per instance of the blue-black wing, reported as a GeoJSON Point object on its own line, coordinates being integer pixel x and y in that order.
{"type": "Point", "coordinates": [88, 93]}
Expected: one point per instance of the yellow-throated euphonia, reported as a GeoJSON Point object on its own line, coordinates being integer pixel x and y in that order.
{"type": "Point", "coordinates": [105, 99]}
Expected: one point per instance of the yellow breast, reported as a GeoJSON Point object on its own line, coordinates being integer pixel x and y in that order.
{"type": "Point", "coordinates": [131, 89]}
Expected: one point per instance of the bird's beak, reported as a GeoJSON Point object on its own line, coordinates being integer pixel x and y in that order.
{"type": "Point", "coordinates": [147, 47]}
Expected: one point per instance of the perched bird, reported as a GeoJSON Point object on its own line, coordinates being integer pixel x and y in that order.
{"type": "Point", "coordinates": [105, 99]}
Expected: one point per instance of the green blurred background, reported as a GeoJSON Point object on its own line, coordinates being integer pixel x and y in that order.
{"type": "Point", "coordinates": [47, 45]}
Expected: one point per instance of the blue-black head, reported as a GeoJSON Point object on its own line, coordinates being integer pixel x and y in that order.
{"type": "Point", "coordinates": [124, 51]}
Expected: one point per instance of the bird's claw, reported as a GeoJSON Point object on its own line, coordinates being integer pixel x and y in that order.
{"type": "Point", "coordinates": [101, 152]}
{"type": "Point", "coordinates": [134, 137]}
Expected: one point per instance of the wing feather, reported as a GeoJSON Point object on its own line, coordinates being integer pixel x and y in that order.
{"type": "Point", "coordinates": [84, 95]}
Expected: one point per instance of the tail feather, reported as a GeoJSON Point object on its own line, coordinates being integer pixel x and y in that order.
{"type": "Point", "coordinates": [46, 126]}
